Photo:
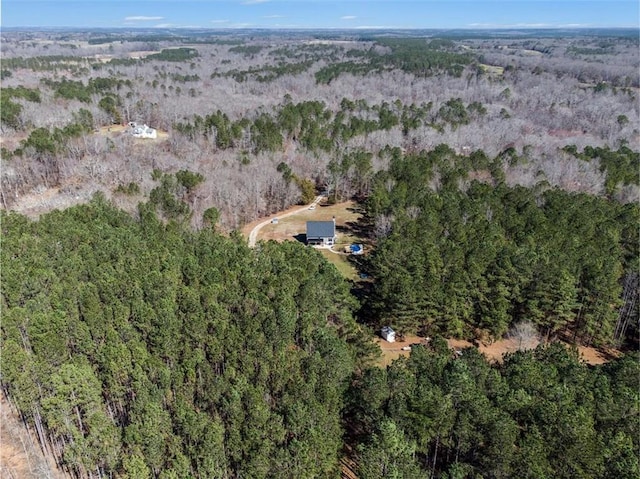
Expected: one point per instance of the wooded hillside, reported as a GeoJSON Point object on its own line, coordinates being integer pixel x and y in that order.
{"type": "Point", "coordinates": [233, 108]}
{"type": "Point", "coordinates": [498, 177]}
{"type": "Point", "coordinates": [147, 351]}
{"type": "Point", "coordinates": [480, 254]}
{"type": "Point", "coordinates": [137, 349]}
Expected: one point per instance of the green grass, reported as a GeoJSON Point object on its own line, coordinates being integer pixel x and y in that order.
{"type": "Point", "coordinates": [341, 262]}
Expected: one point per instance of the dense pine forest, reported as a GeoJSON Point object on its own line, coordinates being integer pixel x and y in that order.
{"type": "Point", "coordinates": [135, 348]}
{"type": "Point", "coordinates": [481, 254]}
{"type": "Point", "coordinates": [497, 181]}
{"type": "Point", "coordinates": [145, 350]}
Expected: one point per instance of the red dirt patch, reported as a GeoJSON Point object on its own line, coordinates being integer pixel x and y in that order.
{"type": "Point", "coordinates": [493, 352]}
{"type": "Point", "coordinates": [392, 351]}
{"type": "Point", "coordinates": [20, 456]}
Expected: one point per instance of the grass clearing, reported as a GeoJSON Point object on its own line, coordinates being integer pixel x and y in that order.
{"type": "Point", "coordinates": [492, 69]}
{"type": "Point", "coordinates": [293, 228]}
{"type": "Point", "coordinates": [341, 261]}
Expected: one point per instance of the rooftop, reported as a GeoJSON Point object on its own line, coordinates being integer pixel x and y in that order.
{"type": "Point", "coordinates": [321, 229]}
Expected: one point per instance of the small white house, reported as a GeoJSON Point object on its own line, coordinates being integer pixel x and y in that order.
{"type": "Point", "coordinates": [142, 131]}
{"type": "Point", "coordinates": [388, 334]}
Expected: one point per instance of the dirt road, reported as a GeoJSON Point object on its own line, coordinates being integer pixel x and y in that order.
{"type": "Point", "coordinates": [253, 236]}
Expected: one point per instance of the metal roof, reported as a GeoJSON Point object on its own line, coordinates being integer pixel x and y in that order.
{"type": "Point", "coordinates": [320, 229]}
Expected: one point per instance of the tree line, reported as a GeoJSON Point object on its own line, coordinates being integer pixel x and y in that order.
{"type": "Point", "coordinates": [540, 414]}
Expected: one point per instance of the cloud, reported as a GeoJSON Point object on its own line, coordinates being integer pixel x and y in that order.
{"type": "Point", "coordinates": [177, 26]}
{"type": "Point", "coordinates": [348, 17]}
{"type": "Point", "coordinates": [219, 21]}
{"type": "Point", "coordinates": [528, 25]}
{"type": "Point", "coordinates": [380, 27]}
{"type": "Point", "coordinates": [273, 16]}
{"type": "Point", "coordinates": [141, 18]}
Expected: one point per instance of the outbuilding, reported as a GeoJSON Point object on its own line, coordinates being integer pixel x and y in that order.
{"type": "Point", "coordinates": [388, 334]}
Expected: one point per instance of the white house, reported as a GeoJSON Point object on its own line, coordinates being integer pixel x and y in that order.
{"type": "Point", "coordinates": [388, 334]}
{"type": "Point", "coordinates": [142, 131]}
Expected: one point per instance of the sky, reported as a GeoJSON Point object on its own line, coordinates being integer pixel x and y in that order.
{"type": "Point", "coordinates": [345, 14]}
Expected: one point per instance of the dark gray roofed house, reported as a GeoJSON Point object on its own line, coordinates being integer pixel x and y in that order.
{"type": "Point", "coordinates": [321, 232]}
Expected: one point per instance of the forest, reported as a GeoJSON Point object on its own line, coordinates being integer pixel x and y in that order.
{"type": "Point", "coordinates": [498, 182]}
{"type": "Point", "coordinates": [136, 349]}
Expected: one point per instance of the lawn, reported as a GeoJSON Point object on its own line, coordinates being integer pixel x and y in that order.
{"type": "Point", "coordinates": [293, 228]}
{"type": "Point", "coordinates": [341, 261]}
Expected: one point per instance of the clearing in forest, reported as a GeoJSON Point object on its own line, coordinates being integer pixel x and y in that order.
{"type": "Point", "coordinates": [292, 227]}
{"type": "Point", "coordinates": [493, 352]}
{"type": "Point", "coordinates": [116, 130]}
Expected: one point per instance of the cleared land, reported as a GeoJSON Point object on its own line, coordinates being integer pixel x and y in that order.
{"type": "Point", "coordinates": [114, 130]}
{"type": "Point", "coordinates": [20, 455]}
{"type": "Point", "coordinates": [493, 352]}
{"type": "Point", "coordinates": [292, 225]}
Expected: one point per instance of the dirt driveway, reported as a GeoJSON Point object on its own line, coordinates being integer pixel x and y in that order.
{"type": "Point", "coordinates": [292, 223]}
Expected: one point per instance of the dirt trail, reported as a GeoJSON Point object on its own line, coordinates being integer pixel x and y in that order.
{"type": "Point", "coordinates": [493, 352]}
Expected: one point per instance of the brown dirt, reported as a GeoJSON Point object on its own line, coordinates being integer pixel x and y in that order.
{"type": "Point", "coordinates": [493, 352]}
{"type": "Point", "coordinates": [37, 202]}
{"type": "Point", "coordinates": [596, 356]}
{"type": "Point", "coordinates": [20, 455]}
{"type": "Point", "coordinates": [393, 351]}
{"type": "Point", "coordinates": [287, 228]}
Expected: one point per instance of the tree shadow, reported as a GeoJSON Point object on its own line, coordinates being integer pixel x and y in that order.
{"type": "Point", "coordinates": [359, 228]}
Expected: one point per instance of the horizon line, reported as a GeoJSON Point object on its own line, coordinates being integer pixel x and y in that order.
{"type": "Point", "coordinates": [341, 28]}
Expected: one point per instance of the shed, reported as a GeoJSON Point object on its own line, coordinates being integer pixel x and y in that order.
{"type": "Point", "coordinates": [388, 334]}
{"type": "Point", "coordinates": [321, 232]}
